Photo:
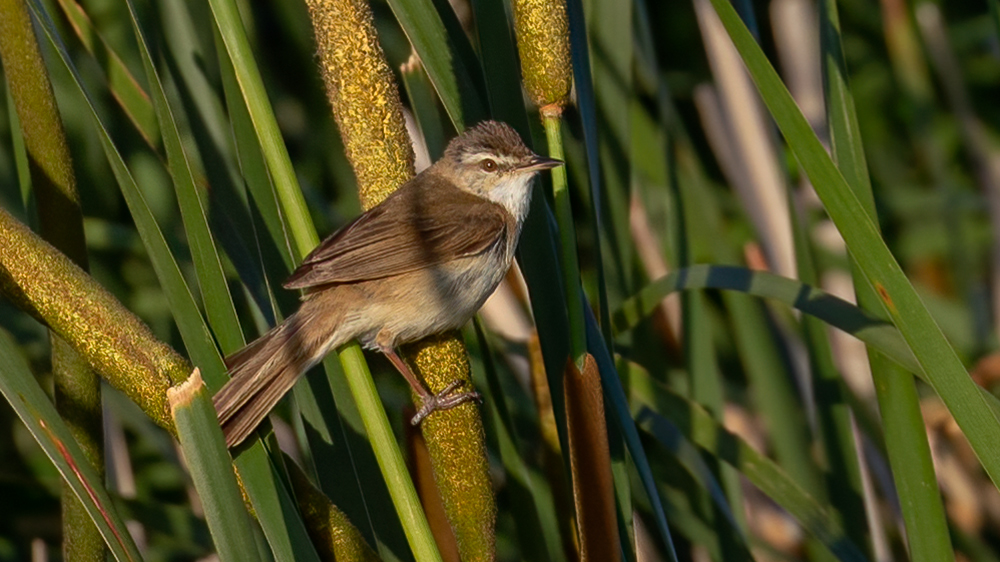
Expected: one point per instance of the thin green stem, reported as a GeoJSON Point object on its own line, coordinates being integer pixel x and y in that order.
{"type": "Point", "coordinates": [227, 17]}
{"type": "Point", "coordinates": [404, 495]}
{"type": "Point", "coordinates": [305, 239]}
{"type": "Point", "coordinates": [567, 241]}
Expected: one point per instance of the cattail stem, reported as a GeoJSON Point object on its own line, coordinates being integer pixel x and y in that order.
{"type": "Point", "coordinates": [567, 236]}
{"type": "Point", "coordinates": [390, 460]}
{"type": "Point", "coordinates": [77, 388]}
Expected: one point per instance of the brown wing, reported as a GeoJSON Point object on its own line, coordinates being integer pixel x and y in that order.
{"type": "Point", "coordinates": [421, 225]}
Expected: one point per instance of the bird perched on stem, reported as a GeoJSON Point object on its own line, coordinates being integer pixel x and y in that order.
{"type": "Point", "coordinates": [421, 262]}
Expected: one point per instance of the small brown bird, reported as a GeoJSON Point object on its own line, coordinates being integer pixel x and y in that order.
{"type": "Point", "coordinates": [421, 262]}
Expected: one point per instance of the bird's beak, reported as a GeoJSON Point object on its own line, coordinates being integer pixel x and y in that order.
{"type": "Point", "coordinates": [539, 163]}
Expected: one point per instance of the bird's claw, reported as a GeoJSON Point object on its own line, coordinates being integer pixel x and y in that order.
{"type": "Point", "coordinates": [444, 400]}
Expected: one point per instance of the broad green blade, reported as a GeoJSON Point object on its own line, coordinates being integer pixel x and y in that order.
{"type": "Point", "coordinates": [448, 70]}
{"type": "Point", "coordinates": [500, 67]}
{"type": "Point", "coordinates": [423, 102]}
{"type": "Point", "coordinates": [899, 402]}
{"type": "Point", "coordinates": [196, 335]}
{"type": "Point", "coordinates": [122, 84]}
{"type": "Point", "coordinates": [995, 14]}
{"type": "Point", "coordinates": [834, 429]}
{"type": "Point", "coordinates": [211, 471]}
{"type": "Point", "coordinates": [272, 238]}
{"type": "Point", "coordinates": [611, 33]}
{"type": "Point", "coordinates": [654, 404]}
{"type": "Point", "coordinates": [618, 410]}
{"type": "Point", "coordinates": [188, 57]}
{"type": "Point", "coordinates": [20, 157]}
{"type": "Point", "coordinates": [215, 294]}
{"type": "Point", "coordinates": [265, 125]}
{"type": "Point", "coordinates": [732, 545]}
{"type": "Point", "coordinates": [833, 310]}
{"type": "Point", "coordinates": [943, 368]}
{"type": "Point", "coordinates": [28, 399]}
{"type": "Point", "coordinates": [274, 507]}
{"type": "Point", "coordinates": [828, 308]}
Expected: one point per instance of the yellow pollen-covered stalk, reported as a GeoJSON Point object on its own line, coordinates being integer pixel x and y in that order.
{"type": "Point", "coordinates": [542, 29]}
{"type": "Point", "coordinates": [456, 444]}
{"type": "Point", "coordinates": [363, 96]}
{"type": "Point", "coordinates": [333, 534]}
{"type": "Point", "coordinates": [366, 106]}
{"type": "Point", "coordinates": [45, 283]}
{"type": "Point", "coordinates": [76, 389]}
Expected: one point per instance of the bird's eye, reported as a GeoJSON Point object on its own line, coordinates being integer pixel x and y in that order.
{"type": "Point", "coordinates": [488, 165]}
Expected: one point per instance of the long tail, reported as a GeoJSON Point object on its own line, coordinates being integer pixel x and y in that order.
{"type": "Point", "coordinates": [263, 371]}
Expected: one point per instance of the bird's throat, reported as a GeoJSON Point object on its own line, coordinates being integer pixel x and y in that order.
{"type": "Point", "coordinates": [514, 194]}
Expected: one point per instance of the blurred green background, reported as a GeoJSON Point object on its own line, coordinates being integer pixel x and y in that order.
{"type": "Point", "coordinates": [929, 116]}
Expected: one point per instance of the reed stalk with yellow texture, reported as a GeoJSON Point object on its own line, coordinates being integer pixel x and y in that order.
{"type": "Point", "coordinates": [77, 388]}
{"type": "Point", "coordinates": [366, 106]}
{"type": "Point", "coordinates": [40, 280]}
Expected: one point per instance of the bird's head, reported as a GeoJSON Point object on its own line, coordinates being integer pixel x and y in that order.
{"type": "Point", "coordinates": [490, 160]}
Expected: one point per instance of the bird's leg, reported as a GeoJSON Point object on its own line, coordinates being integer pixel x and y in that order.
{"type": "Point", "coordinates": [429, 402]}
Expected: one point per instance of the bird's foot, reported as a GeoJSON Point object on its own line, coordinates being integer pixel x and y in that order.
{"type": "Point", "coordinates": [444, 400]}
